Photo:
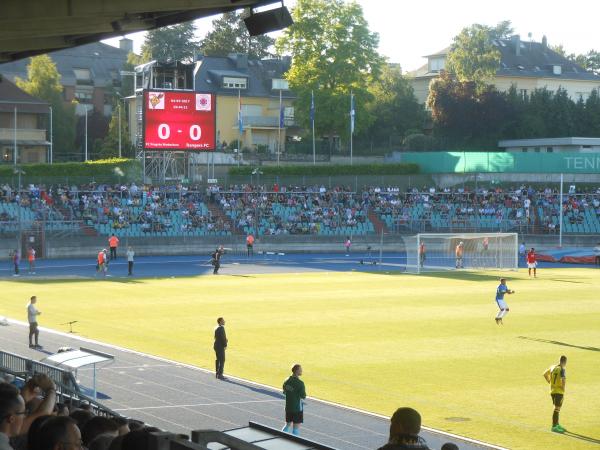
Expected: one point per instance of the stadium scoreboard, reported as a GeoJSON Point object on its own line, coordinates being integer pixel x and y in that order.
{"type": "Point", "coordinates": [179, 120]}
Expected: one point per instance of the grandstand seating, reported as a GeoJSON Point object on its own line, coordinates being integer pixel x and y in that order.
{"type": "Point", "coordinates": [450, 211]}
{"type": "Point", "coordinates": [335, 214]}
{"type": "Point", "coordinates": [177, 211]}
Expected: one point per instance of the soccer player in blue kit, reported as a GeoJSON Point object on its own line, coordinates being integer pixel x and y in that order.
{"type": "Point", "coordinates": [500, 291]}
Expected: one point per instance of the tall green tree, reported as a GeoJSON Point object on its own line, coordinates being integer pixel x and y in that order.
{"type": "Point", "coordinates": [43, 81]}
{"type": "Point", "coordinates": [229, 35]}
{"type": "Point", "coordinates": [333, 53]}
{"type": "Point", "coordinates": [466, 116]}
{"type": "Point", "coordinates": [473, 57]}
{"type": "Point", "coordinates": [127, 81]}
{"type": "Point", "coordinates": [174, 42]}
{"type": "Point", "coordinates": [502, 30]}
{"type": "Point", "coordinates": [589, 61]}
{"type": "Point", "coordinates": [592, 108]}
{"type": "Point", "coordinates": [393, 106]}
{"type": "Point", "coordinates": [110, 144]}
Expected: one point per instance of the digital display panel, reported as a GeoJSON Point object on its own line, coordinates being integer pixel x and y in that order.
{"type": "Point", "coordinates": [179, 120]}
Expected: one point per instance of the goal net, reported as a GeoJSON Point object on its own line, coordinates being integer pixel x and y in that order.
{"type": "Point", "coordinates": [456, 251]}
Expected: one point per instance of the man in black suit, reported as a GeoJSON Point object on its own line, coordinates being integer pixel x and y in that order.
{"type": "Point", "coordinates": [216, 259]}
{"type": "Point", "coordinates": [220, 345]}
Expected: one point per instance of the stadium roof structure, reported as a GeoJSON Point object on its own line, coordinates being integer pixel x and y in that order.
{"type": "Point", "coordinates": [31, 27]}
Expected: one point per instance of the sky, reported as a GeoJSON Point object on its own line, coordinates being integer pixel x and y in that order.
{"type": "Point", "coordinates": [409, 30]}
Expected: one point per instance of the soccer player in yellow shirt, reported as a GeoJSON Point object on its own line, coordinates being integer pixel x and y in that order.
{"type": "Point", "coordinates": [556, 377]}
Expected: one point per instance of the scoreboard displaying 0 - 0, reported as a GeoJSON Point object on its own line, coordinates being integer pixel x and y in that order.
{"type": "Point", "coordinates": [179, 120]}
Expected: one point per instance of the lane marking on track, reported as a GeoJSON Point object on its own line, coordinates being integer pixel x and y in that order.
{"type": "Point", "coordinates": [252, 383]}
{"type": "Point", "coordinates": [196, 404]}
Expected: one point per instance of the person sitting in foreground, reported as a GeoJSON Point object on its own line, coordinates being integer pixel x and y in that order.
{"type": "Point", "coordinates": [404, 431]}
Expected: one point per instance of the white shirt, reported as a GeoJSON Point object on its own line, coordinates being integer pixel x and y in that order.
{"type": "Point", "coordinates": [597, 250]}
{"type": "Point", "coordinates": [130, 255]}
{"type": "Point", "coordinates": [32, 313]}
{"type": "Point", "coordinates": [4, 442]}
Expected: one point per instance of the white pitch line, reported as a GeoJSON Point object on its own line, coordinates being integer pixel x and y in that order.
{"type": "Point", "coordinates": [196, 404]}
{"type": "Point", "coordinates": [142, 366]}
{"type": "Point", "coordinates": [137, 263]}
{"type": "Point", "coordinates": [253, 383]}
{"type": "Point", "coordinates": [193, 261]}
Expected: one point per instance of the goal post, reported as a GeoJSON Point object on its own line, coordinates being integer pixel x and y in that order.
{"type": "Point", "coordinates": [428, 252]}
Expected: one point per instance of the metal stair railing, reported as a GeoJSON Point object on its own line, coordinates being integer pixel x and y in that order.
{"type": "Point", "coordinates": [66, 384]}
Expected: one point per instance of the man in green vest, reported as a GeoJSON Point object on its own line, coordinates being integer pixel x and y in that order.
{"type": "Point", "coordinates": [294, 391]}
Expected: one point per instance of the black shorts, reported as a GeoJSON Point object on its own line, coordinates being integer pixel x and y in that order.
{"type": "Point", "coordinates": [557, 399]}
{"type": "Point", "coordinates": [33, 327]}
{"type": "Point", "coordinates": [296, 417]}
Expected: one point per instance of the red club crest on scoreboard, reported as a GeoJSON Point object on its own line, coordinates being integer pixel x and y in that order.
{"type": "Point", "coordinates": [179, 120]}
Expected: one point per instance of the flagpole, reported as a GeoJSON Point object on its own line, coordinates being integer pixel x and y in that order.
{"type": "Point", "coordinates": [86, 135]}
{"type": "Point", "coordinates": [560, 217]}
{"type": "Point", "coordinates": [15, 140]}
{"type": "Point", "coordinates": [240, 126]}
{"type": "Point", "coordinates": [279, 129]}
{"type": "Point", "coordinates": [351, 123]}
{"type": "Point", "coordinates": [312, 109]}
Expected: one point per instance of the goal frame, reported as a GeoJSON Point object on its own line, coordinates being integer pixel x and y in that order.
{"type": "Point", "coordinates": [465, 237]}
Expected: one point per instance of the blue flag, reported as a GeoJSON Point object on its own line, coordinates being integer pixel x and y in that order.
{"type": "Point", "coordinates": [352, 113]}
{"type": "Point", "coordinates": [312, 106]}
{"type": "Point", "coordinates": [281, 117]}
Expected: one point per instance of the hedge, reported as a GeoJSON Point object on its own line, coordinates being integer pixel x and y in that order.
{"type": "Point", "coordinates": [331, 170]}
{"type": "Point", "coordinates": [105, 170]}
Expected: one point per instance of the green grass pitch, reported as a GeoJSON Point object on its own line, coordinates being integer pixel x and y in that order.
{"type": "Point", "coordinates": [372, 341]}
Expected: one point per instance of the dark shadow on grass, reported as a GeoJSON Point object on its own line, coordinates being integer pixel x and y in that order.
{"type": "Point", "coordinates": [566, 281]}
{"type": "Point", "coordinates": [564, 344]}
{"type": "Point", "coordinates": [450, 274]}
{"type": "Point", "coordinates": [258, 390]}
{"type": "Point", "coordinates": [582, 437]}
{"type": "Point", "coordinates": [241, 276]}
{"type": "Point", "coordinates": [79, 280]}
{"type": "Point", "coordinates": [466, 276]}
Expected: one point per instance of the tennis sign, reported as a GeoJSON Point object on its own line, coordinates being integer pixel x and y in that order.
{"type": "Point", "coordinates": [179, 120]}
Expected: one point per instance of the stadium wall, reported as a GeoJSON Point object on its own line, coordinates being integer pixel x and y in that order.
{"type": "Point", "coordinates": [444, 180]}
{"type": "Point", "coordinates": [88, 246]}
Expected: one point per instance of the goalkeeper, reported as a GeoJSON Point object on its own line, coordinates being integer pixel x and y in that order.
{"type": "Point", "coordinates": [459, 251]}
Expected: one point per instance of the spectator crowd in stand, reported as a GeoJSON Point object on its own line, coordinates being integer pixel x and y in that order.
{"type": "Point", "coordinates": [31, 418]}
{"type": "Point", "coordinates": [295, 209]}
{"type": "Point", "coordinates": [292, 210]}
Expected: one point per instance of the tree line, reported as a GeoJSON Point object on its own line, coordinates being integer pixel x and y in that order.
{"type": "Point", "coordinates": [469, 118]}
{"type": "Point", "coordinates": [335, 54]}
{"type": "Point", "coordinates": [469, 113]}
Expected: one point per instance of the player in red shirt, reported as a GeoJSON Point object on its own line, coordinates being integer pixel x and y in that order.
{"type": "Point", "coordinates": [532, 262]}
